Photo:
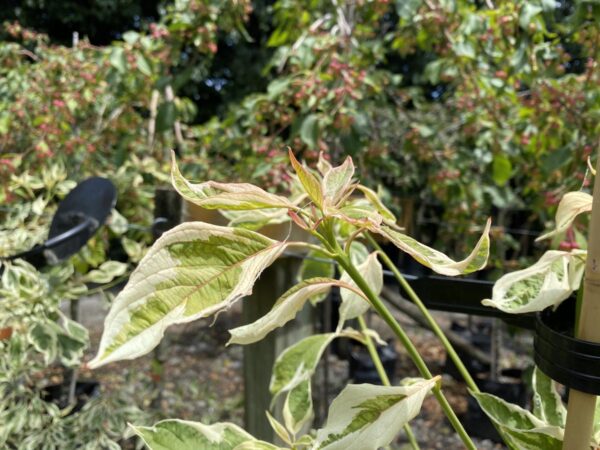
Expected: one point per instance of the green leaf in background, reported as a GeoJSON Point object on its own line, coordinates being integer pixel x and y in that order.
{"type": "Point", "coordinates": [309, 131]}
{"type": "Point", "coordinates": [501, 169]}
{"type": "Point", "coordinates": [165, 116]}
{"type": "Point", "coordinates": [118, 59]}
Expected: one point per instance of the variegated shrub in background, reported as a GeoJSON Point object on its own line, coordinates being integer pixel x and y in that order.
{"type": "Point", "coordinates": [198, 269]}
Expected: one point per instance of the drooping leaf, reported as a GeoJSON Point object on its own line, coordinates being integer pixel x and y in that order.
{"type": "Point", "coordinates": [235, 196]}
{"type": "Point", "coordinates": [297, 363]}
{"type": "Point", "coordinates": [298, 407]}
{"type": "Point", "coordinates": [311, 185]}
{"type": "Point", "coordinates": [353, 305]}
{"type": "Point", "coordinates": [525, 430]}
{"type": "Point", "coordinates": [570, 206]}
{"type": "Point", "coordinates": [284, 310]}
{"type": "Point", "coordinates": [547, 403]}
{"type": "Point", "coordinates": [176, 434]}
{"type": "Point", "coordinates": [367, 417]}
{"type": "Point", "coordinates": [436, 260]}
{"type": "Point", "coordinates": [192, 271]}
{"type": "Point", "coordinates": [546, 283]}
{"type": "Point", "coordinates": [336, 182]}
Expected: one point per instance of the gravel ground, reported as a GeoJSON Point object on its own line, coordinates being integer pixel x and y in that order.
{"type": "Point", "coordinates": [204, 378]}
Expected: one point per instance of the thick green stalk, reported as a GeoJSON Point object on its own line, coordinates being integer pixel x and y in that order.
{"type": "Point", "coordinates": [385, 314]}
{"type": "Point", "coordinates": [383, 375]}
{"type": "Point", "coordinates": [428, 317]}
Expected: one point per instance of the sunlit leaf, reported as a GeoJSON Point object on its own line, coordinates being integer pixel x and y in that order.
{"type": "Point", "coordinates": [374, 199]}
{"type": "Point", "coordinates": [436, 260]}
{"type": "Point", "coordinates": [337, 180]}
{"type": "Point", "coordinates": [192, 271]}
{"type": "Point", "coordinates": [548, 282]}
{"type": "Point", "coordinates": [367, 417]}
{"type": "Point", "coordinates": [310, 183]}
{"type": "Point", "coordinates": [235, 196]}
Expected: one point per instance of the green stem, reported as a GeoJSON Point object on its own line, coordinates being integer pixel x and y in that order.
{"type": "Point", "coordinates": [385, 314]}
{"type": "Point", "coordinates": [383, 375]}
{"type": "Point", "coordinates": [428, 317]}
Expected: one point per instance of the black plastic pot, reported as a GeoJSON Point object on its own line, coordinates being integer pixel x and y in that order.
{"type": "Point", "coordinates": [570, 361]}
{"type": "Point", "coordinates": [480, 337]}
{"type": "Point", "coordinates": [511, 389]}
{"type": "Point", "coordinates": [362, 369]}
{"type": "Point", "coordinates": [59, 394]}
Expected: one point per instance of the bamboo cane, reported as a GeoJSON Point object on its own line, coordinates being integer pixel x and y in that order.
{"type": "Point", "coordinates": [580, 412]}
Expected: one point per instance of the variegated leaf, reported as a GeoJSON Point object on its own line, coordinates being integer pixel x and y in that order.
{"type": "Point", "coordinates": [323, 166]}
{"type": "Point", "coordinates": [547, 403]}
{"type": "Point", "coordinates": [353, 305]}
{"type": "Point", "coordinates": [108, 271]}
{"type": "Point", "coordinates": [234, 196]}
{"type": "Point", "coordinates": [374, 199]}
{"type": "Point", "coordinates": [436, 260]}
{"type": "Point", "coordinates": [570, 206]}
{"type": "Point", "coordinates": [192, 271]}
{"type": "Point", "coordinates": [285, 309]}
{"type": "Point", "coordinates": [176, 434]}
{"type": "Point", "coordinates": [298, 407]}
{"type": "Point", "coordinates": [546, 283]}
{"type": "Point", "coordinates": [310, 183]}
{"type": "Point", "coordinates": [279, 429]}
{"type": "Point", "coordinates": [526, 431]}
{"type": "Point", "coordinates": [367, 417]}
{"type": "Point", "coordinates": [336, 182]}
{"type": "Point", "coordinates": [297, 363]}
{"type": "Point", "coordinates": [257, 445]}
{"type": "Point", "coordinates": [256, 219]}
{"type": "Point", "coordinates": [597, 423]}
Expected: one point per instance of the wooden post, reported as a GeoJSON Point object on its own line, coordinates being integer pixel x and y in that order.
{"type": "Point", "coordinates": [580, 412]}
{"type": "Point", "coordinates": [167, 214]}
{"type": "Point", "coordinates": [260, 356]}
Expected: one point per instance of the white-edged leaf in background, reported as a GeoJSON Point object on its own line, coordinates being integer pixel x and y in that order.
{"type": "Point", "coordinates": [570, 206]}
{"type": "Point", "coordinates": [285, 309]}
{"type": "Point", "coordinates": [436, 260]}
{"type": "Point", "coordinates": [367, 417]}
{"type": "Point", "coordinates": [256, 219]}
{"type": "Point", "coordinates": [547, 403]}
{"type": "Point", "coordinates": [174, 434]}
{"type": "Point", "coordinates": [107, 272]}
{"type": "Point", "coordinates": [234, 196]}
{"type": "Point", "coordinates": [353, 305]}
{"type": "Point", "coordinates": [525, 430]}
{"type": "Point", "coordinates": [192, 271]}
{"type": "Point", "coordinates": [548, 282]}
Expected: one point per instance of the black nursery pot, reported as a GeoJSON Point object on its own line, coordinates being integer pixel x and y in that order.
{"type": "Point", "coordinates": [59, 394]}
{"type": "Point", "coordinates": [570, 361]}
{"type": "Point", "coordinates": [362, 369]}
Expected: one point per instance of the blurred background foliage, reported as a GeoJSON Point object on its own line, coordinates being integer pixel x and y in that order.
{"type": "Point", "coordinates": [457, 109]}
